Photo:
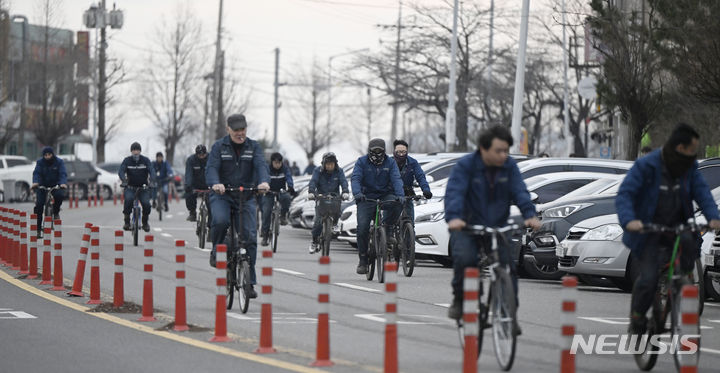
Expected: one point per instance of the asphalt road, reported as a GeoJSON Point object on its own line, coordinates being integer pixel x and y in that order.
{"type": "Point", "coordinates": [428, 341]}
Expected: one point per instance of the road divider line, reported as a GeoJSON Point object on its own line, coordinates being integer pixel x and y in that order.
{"type": "Point", "coordinates": [167, 335]}
{"type": "Point", "coordinates": [356, 287]}
{"type": "Point", "coordinates": [289, 272]}
{"type": "Point", "coordinates": [168, 235]}
{"type": "Point", "coordinates": [710, 350]}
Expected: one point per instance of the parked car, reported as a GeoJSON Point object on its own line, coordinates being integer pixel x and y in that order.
{"type": "Point", "coordinates": [81, 173]}
{"type": "Point", "coordinates": [20, 169]}
{"type": "Point", "coordinates": [111, 167]}
{"type": "Point", "coordinates": [109, 183]}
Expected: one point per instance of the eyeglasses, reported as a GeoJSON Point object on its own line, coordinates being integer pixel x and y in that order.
{"type": "Point", "coordinates": [401, 152]}
{"type": "Point", "coordinates": [377, 151]}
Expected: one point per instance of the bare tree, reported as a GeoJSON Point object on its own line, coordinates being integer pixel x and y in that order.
{"type": "Point", "coordinates": [9, 111]}
{"type": "Point", "coordinates": [171, 77]}
{"type": "Point", "coordinates": [309, 89]}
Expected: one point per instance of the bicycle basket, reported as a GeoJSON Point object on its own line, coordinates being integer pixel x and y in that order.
{"type": "Point", "coordinates": [328, 207]}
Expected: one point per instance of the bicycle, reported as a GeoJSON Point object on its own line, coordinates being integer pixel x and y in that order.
{"type": "Point", "coordinates": [403, 249]}
{"type": "Point", "coordinates": [48, 204]}
{"type": "Point", "coordinates": [135, 219]}
{"type": "Point", "coordinates": [327, 206]}
{"type": "Point", "coordinates": [500, 297]}
{"type": "Point", "coordinates": [377, 253]}
{"type": "Point", "coordinates": [238, 259]}
{"type": "Point", "coordinates": [202, 225]}
{"type": "Point", "coordinates": [160, 201]}
{"type": "Point", "coordinates": [274, 219]}
{"type": "Point", "coordinates": [667, 300]}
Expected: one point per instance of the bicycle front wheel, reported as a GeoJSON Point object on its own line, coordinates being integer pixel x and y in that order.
{"type": "Point", "coordinates": [407, 250]}
{"type": "Point", "coordinates": [230, 286]}
{"type": "Point", "coordinates": [244, 285]}
{"type": "Point", "coordinates": [503, 306]}
{"type": "Point", "coordinates": [382, 253]}
{"type": "Point", "coordinates": [275, 232]}
{"type": "Point", "coordinates": [136, 225]}
{"type": "Point", "coordinates": [371, 255]}
{"type": "Point", "coordinates": [326, 236]}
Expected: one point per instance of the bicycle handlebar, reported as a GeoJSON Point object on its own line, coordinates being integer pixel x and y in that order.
{"type": "Point", "coordinates": [202, 191]}
{"type": "Point", "coordinates": [144, 186]}
{"type": "Point", "coordinates": [56, 187]}
{"type": "Point", "coordinates": [241, 189]}
{"type": "Point", "coordinates": [483, 230]}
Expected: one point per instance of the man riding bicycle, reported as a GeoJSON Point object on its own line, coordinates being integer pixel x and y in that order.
{"type": "Point", "coordinates": [195, 179]}
{"type": "Point", "coordinates": [163, 175]}
{"type": "Point", "coordinates": [326, 179]}
{"type": "Point", "coordinates": [49, 172]}
{"type": "Point", "coordinates": [660, 188]}
{"type": "Point", "coordinates": [481, 188]}
{"type": "Point", "coordinates": [280, 178]}
{"type": "Point", "coordinates": [136, 171]}
{"type": "Point", "coordinates": [410, 172]}
{"type": "Point", "coordinates": [236, 161]}
{"type": "Point", "coordinates": [375, 176]}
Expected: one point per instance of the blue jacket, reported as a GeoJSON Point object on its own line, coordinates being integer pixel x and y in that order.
{"type": "Point", "coordinates": [323, 182]}
{"type": "Point", "coordinates": [50, 174]}
{"type": "Point", "coordinates": [281, 178]}
{"type": "Point", "coordinates": [195, 172]}
{"type": "Point", "coordinates": [162, 171]}
{"type": "Point", "coordinates": [226, 167]}
{"type": "Point", "coordinates": [412, 171]}
{"type": "Point", "coordinates": [469, 195]}
{"type": "Point", "coordinates": [138, 173]}
{"type": "Point", "coordinates": [637, 197]}
{"type": "Point", "coordinates": [376, 181]}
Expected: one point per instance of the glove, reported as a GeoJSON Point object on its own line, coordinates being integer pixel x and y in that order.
{"type": "Point", "coordinates": [360, 197]}
{"type": "Point", "coordinates": [292, 192]}
{"type": "Point", "coordinates": [427, 194]}
{"type": "Point", "coordinates": [311, 196]}
{"type": "Point", "coordinates": [345, 196]}
{"type": "Point", "coordinates": [123, 184]}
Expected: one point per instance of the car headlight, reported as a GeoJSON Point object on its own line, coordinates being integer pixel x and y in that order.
{"type": "Point", "coordinates": [564, 211]}
{"type": "Point", "coordinates": [608, 232]}
{"type": "Point", "coordinates": [430, 217]}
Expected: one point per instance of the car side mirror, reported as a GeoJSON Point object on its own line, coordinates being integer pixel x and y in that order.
{"type": "Point", "coordinates": [534, 197]}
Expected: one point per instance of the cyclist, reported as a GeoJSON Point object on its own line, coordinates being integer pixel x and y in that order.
{"type": "Point", "coordinates": [136, 170]}
{"type": "Point", "coordinates": [326, 179]}
{"type": "Point", "coordinates": [163, 175]}
{"type": "Point", "coordinates": [195, 179]}
{"type": "Point", "coordinates": [660, 188]}
{"type": "Point", "coordinates": [237, 161]}
{"type": "Point", "coordinates": [280, 178]}
{"type": "Point", "coordinates": [375, 176]}
{"type": "Point", "coordinates": [481, 188]}
{"type": "Point", "coordinates": [49, 171]}
{"type": "Point", "coordinates": [410, 172]}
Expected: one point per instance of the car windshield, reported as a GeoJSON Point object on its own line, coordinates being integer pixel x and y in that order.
{"type": "Point", "coordinates": [597, 186]}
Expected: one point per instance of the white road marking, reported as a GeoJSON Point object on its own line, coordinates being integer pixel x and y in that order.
{"type": "Point", "coordinates": [203, 250]}
{"type": "Point", "coordinates": [710, 350]}
{"type": "Point", "coordinates": [166, 234]}
{"type": "Point", "coordinates": [376, 317]}
{"type": "Point", "coordinates": [280, 318]}
{"type": "Point", "coordinates": [16, 315]}
{"type": "Point", "coordinates": [622, 321]}
{"type": "Point", "coordinates": [351, 286]}
{"type": "Point", "coordinates": [157, 229]}
{"type": "Point", "coordinates": [712, 304]}
{"type": "Point", "coordinates": [446, 305]}
{"type": "Point", "coordinates": [715, 321]}
{"type": "Point", "coordinates": [169, 216]}
{"type": "Point", "coordinates": [283, 270]}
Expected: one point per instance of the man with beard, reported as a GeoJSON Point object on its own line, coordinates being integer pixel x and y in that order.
{"type": "Point", "coordinates": [660, 188]}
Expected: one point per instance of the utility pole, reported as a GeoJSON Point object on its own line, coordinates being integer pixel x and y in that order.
{"type": "Point", "coordinates": [450, 113]}
{"type": "Point", "coordinates": [220, 95]}
{"type": "Point", "coordinates": [566, 95]}
{"type": "Point", "coordinates": [275, 105]}
{"type": "Point", "coordinates": [520, 78]}
{"type": "Point", "coordinates": [369, 113]}
{"type": "Point", "coordinates": [393, 129]}
{"type": "Point", "coordinates": [26, 78]}
{"type": "Point", "coordinates": [488, 82]}
{"type": "Point", "coordinates": [215, 113]}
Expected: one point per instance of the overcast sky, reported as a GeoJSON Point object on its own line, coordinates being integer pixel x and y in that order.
{"type": "Point", "coordinates": [304, 30]}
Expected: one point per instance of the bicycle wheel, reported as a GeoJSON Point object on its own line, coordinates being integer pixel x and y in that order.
{"type": "Point", "coordinates": [407, 249]}
{"type": "Point", "coordinates": [696, 278]}
{"type": "Point", "coordinates": [382, 253]}
{"type": "Point", "coordinates": [275, 224]}
{"type": "Point", "coordinates": [201, 231]}
{"type": "Point", "coordinates": [503, 306]}
{"type": "Point", "coordinates": [244, 285]}
{"type": "Point", "coordinates": [646, 353]}
{"type": "Point", "coordinates": [371, 255]}
{"type": "Point", "coordinates": [136, 225]}
{"type": "Point", "coordinates": [483, 310]}
{"type": "Point", "coordinates": [160, 203]}
{"type": "Point", "coordinates": [677, 329]}
{"type": "Point", "coordinates": [326, 236]}
{"type": "Point", "coordinates": [231, 279]}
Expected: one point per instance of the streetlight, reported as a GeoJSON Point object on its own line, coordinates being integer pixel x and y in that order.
{"type": "Point", "coordinates": [329, 79]}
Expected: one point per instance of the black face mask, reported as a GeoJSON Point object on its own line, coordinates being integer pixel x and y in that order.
{"type": "Point", "coordinates": [676, 163]}
{"type": "Point", "coordinates": [51, 160]}
{"type": "Point", "coordinates": [136, 157]}
{"type": "Point", "coordinates": [400, 158]}
{"type": "Point", "coordinates": [377, 157]}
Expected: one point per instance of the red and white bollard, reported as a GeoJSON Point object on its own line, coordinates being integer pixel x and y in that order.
{"type": "Point", "coordinates": [47, 253]}
{"type": "Point", "coordinates": [470, 319]}
{"type": "Point", "coordinates": [82, 261]}
{"type": "Point", "coordinates": [23, 244]}
{"type": "Point", "coordinates": [221, 282]}
{"type": "Point", "coordinates": [569, 306]}
{"type": "Point", "coordinates": [33, 265]}
{"type": "Point", "coordinates": [94, 266]}
{"type": "Point", "coordinates": [118, 285]}
{"type": "Point", "coordinates": [57, 258]}
{"type": "Point", "coordinates": [266, 344]}
{"type": "Point", "coordinates": [16, 241]}
{"type": "Point", "coordinates": [322, 358]}
{"type": "Point", "coordinates": [147, 306]}
{"type": "Point", "coordinates": [3, 239]}
{"type": "Point", "coordinates": [180, 302]}
{"type": "Point", "coordinates": [689, 323]}
{"type": "Point", "coordinates": [391, 347]}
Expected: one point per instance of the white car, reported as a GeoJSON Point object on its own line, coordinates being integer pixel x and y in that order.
{"type": "Point", "coordinates": [19, 169]}
{"type": "Point", "coordinates": [109, 182]}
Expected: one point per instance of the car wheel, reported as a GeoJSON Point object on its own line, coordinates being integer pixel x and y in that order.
{"type": "Point", "coordinates": [712, 287]}
{"type": "Point", "coordinates": [106, 192]}
{"type": "Point", "coordinates": [632, 271]}
{"type": "Point", "coordinates": [542, 272]}
{"type": "Point", "coordinates": [2, 197]}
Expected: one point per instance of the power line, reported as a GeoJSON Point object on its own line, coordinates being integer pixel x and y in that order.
{"type": "Point", "coordinates": [346, 3]}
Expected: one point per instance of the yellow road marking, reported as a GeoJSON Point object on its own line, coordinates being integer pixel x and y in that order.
{"type": "Point", "coordinates": [167, 335]}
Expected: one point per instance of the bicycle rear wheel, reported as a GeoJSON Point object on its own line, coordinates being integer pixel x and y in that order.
{"type": "Point", "coordinates": [407, 249]}
{"type": "Point", "coordinates": [231, 279]}
{"type": "Point", "coordinates": [244, 285]}
{"type": "Point", "coordinates": [201, 228]}
{"type": "Point", "coordinates": [371, 255]}
{"type": "Point", "coordinates": [326, 236]}
{"type": "Point", "coordinates": [646, 353]}
{"type": "Point", "coordinates": [136, 225]}
{"type": "Point", "coordinates": [382, 253]}
{"type": "Point", "coordinates": [503, 306]}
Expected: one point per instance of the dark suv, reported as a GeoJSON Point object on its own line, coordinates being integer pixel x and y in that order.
{"type": "Point", "coordinates": [81, 173]}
